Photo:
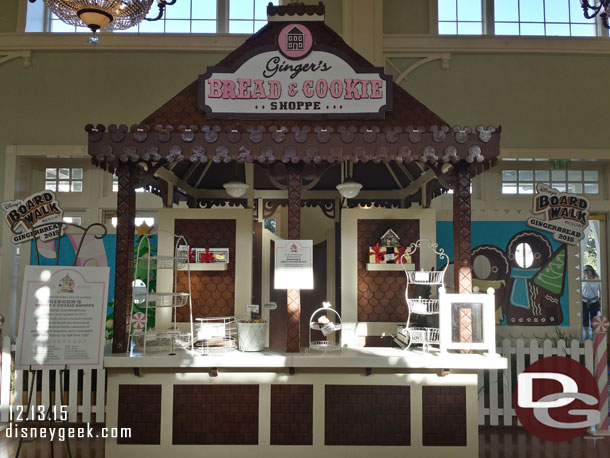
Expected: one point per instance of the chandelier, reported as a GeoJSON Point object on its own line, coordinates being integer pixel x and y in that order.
{"type": "Point", "coordinates": [102, 15]}
{"type": "Point", "coordinates": [600, 9]}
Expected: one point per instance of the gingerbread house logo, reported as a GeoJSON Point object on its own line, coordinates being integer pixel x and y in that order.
{"type": "Point", "coordinates": [295, 39]}
{"type": "Point", "coordinates": [66, 285]}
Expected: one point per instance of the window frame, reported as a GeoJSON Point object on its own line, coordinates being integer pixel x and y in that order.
{"type": "Point", "coordinates": [488, 24]}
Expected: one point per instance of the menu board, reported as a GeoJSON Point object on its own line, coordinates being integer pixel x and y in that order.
{"type": "Point", "coordinates": [293, 264]}
{"type": "Point", "coordinates": [62, 319]}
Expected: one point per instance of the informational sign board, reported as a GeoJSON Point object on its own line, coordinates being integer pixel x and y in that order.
{"type": "Point", "coordinates": [293, 264]}
{"type": "Point", "coordinates": [295, 79]}
{"type": "Point", "coordinates": [562, 214]}
{"type": "Point", "coordinates": [23, 215]}
{"type": "Point", "coordinates": [63, 316]}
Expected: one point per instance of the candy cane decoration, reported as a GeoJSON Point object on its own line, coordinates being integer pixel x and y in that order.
{"type": "Point", "coordinates": [600, 352]}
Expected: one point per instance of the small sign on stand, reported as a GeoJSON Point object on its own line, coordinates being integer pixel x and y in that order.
{"type": "Point", "coordinates": [293, 264]}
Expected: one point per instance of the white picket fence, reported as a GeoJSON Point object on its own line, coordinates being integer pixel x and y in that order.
{"type": "Point", "coordinates": [496, 386]}
{"type": "Point", "coordinates": [83, 405]}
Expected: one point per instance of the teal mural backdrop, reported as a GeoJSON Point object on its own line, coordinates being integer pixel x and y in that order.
{"type": "Point", "coordinates": [526, 268]}
{"type": "Point", "coordinates": [102, 253]}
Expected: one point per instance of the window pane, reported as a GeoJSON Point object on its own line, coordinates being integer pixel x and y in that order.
{"type": "Point", "coordinates": [557, 11]}
{"type": "Point", "coordinates": [259, 25]}
{"type": "Point", "coordinates": [64, 173]}
{"type": "Point", "coordinates": [558, 30]}
{"type": "Point", "coordinates": [115, 186]}
{"type": "Point", "coordinates": [542, 175]}
{"type": "Point", "coordinates": [179, 10]}
{"type": "Point", "coordinates": [240, 27]}
{"type": "Point", "coordinates": [177, 26]}
{"type": "Point", "coordinates": [509, 175]}
{"type": "Point", "coordinates": [63, 186]}
{"type": "Point", "coordinates": [447, 10]}
{"type": "Point", "coordinates": [591, 188]}
{"type": "Point", "coordinates": [50, 185]}
{"type": "Point", "coordinates": [509, 188]}
{"type": "Point", "coordinates": [447, 28]}
{"type": "Point", "coordinates": [561, 187]}
{"type": "Point", "coordinates": [532, 29]}
{"type": "Point", "coordinates": [77, 186]}
{"type": "Point", "coordinates": [526, 188]}
{"type": "Point", "coordinates": [152, 26]}
{"type": "Point", "coordinates": [558, 175]}
{"type": "Point", "coordinates": [575, 187]}
{"type": "Point", "coordinates": [51, 174]}
{"type": "Point", "coordinates": [204, 9]}
{"type": "Point", "coordinates": [469, 10]}
{"type": "Point", "coordinates": [61, 27]}
{"type": "Point", "coordinates": [579, 30]}
{"type": "Point", "coordinates": [77, 174]}
{"type": "Point", "coordinates": [531, 10]}
{"type": "Point", "coordinates": [470, 28]}
{"type": "Point", "coordinates": [591, 175]}
{"type": "Point", "coordinates": [503, 28]}
{"type": "Point", "coordinates": [574, 175]}
{"type": "Point", "coordinates": [506, 10]}
{"type": "Point", "coordinates": [241, 9]}
{"type": "Point", "coordinates": [526, 175]}
{"type": "Point", "coordinates": [203, 27]}
{"type": "Point", "coordinates": [260, 9]}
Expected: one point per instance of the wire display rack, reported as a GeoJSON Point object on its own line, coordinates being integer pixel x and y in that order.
{"type": "Point", "coordinates": [425, 336]}
{"type": "Point", "coordinates": [328, 326]}
{"type": "Point", "coordinates": [142, 295]}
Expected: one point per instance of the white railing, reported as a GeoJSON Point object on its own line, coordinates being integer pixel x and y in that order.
{"type": "Point", "coordinates": [496, 386]}
{"type": "Point", "coordinates": [83, 405]}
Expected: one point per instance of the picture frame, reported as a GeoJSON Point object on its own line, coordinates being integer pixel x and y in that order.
{"type": "Point", "coordinates": [482, 309]}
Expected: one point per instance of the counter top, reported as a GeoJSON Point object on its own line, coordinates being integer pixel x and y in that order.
{"type": "Point", "coordinates": [368, 357]}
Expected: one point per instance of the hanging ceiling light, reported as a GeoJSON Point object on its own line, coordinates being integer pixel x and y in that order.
{"type": "Point", "coordinates": [349, 189]}
{"type": "Point", "coordinates": [104, 14]}
{"type": "Point", "coordinates": [600, 9]}
{"type": "Point", "coordinates": [236, 188]}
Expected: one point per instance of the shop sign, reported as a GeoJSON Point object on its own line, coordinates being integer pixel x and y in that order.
{"type": "Point", "coordinates": [295, 79]}
{"type": "Point", "coordinates": [23, 215]}
{"type": "Point", "coordinates": [293, 264]}
{"type": "Point", "coordinates": [562, 214]}
{"type": "Point", "coordinates": [63, 317]}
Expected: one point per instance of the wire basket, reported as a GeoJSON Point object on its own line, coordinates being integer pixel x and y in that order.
{"type": "Point", "coordinates": [425, 277]}
{"type": "Point", "coordinates": [162, 299]}
{"type": "Point", "coordinates": [423, 306]}
{"type": "Point", "coordinates": [215, 335]}
{"type": "Point", "coordinates": [158, 341]}
{"type": "Point", "coordinates": [423, 335]}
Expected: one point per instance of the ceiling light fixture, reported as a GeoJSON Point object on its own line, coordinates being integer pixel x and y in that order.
{"type": "Point", "coordinates": [236, 188]}
{"type": "Point", "coordinates": [600, 9]}
{"type": "Point", "coordinates": [349, 189]}
{"type": "Point", "coordinates": [103, 15]}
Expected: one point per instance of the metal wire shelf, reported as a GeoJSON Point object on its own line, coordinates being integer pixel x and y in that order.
{"type": "Point", "coordinates": [423, 306]}
{"type": "Point", "coordinates": [162, 299]}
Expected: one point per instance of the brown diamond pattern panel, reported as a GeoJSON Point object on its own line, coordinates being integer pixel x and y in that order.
{"type": "Point", "coordinates": [381, 295]}
{"type": "Point", "coordinates": [126, 211]}
{"type": "Point", "coordinates": [291, 414]}
{"type": "Point", "coordinates": [367, 415]}
{"type": "Point", "coordinates": [461, 228]}
{"type": "Point", "coordinates": [293, 296]}
{"type": "Point", "coordinates": [215, 414]}
{"type": "Point", "coordinates": [444, 415]}
{"type": "Point", "coordinates": [213, 293]}
{"type": "Point", "coordinates": [140, 410]}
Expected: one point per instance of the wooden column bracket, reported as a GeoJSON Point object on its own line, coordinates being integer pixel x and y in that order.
{"type": "Point", "coordinates": [293, 296]}
{"type": "Point", "coordinates": [125, 228]}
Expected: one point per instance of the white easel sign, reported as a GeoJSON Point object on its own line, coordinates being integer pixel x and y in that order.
{"type": "Point", "coordinates": [62, 319]}
{"type": "Point", "coordinates": [293, 264]}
